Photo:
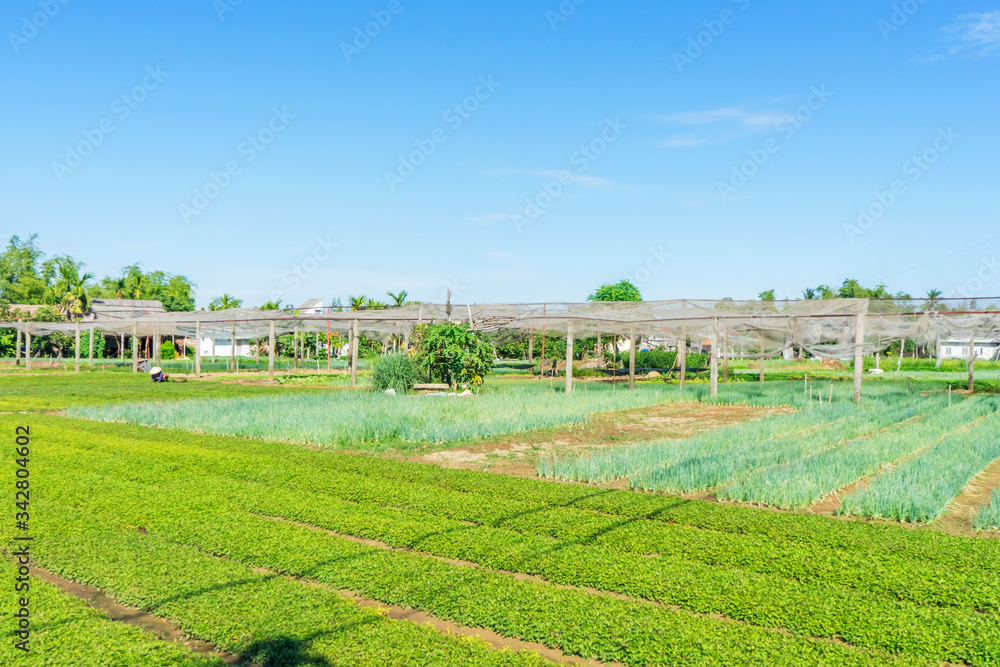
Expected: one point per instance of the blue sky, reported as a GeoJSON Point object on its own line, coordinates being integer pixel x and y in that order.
{"type": "Point", "coordinates": [523, 150]}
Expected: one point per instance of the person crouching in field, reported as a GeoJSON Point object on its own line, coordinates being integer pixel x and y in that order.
{"type": "Point", "coordinates": [156, 374]}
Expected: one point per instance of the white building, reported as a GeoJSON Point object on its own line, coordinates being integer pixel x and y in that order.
{"type": "Point", "coordinates": [311, 307]}
{"type": "Point", "coordinates": [223, 347]}
{"type": "Point", "coordinates": [986, 350]}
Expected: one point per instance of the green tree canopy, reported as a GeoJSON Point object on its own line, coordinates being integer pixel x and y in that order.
{"type": "Point", "coordinates": [225, 302]}
{"type": "Point", "coordinates": [620, 291]}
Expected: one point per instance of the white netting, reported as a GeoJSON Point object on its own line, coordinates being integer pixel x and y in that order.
{"type": "Point", "coordinates": [826, 328]}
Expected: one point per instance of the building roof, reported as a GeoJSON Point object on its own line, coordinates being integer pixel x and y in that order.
{"type": "Point", "coordinates": [122, 309]}
{"type": "Point", "coordinates": [312, 303]}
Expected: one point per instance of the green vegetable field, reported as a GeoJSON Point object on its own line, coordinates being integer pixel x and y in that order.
{"type": "Point", "coordinates": [276, 554]}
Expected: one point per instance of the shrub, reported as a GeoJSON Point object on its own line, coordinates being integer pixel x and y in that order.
{"type": "Point", "coordinates": [167, 350]}
{"type": "Point", "coordinates": [395, 372]}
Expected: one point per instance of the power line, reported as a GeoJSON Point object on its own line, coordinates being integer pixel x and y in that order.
{"type": "Point", "coordinates": [940, 259]}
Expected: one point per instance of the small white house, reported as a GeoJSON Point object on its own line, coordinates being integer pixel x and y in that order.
{"type": "Point", "coordinates": [986, 350]}
{"type": "Point", "coordinates": [223, 347]}
{"type": "Point", "coordinates": [311, 307]}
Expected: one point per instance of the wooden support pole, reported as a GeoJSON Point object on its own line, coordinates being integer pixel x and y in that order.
{"type": "Point", "coordinates": [972, 364]}
{"type": "Point", "coordinates": [937, 351]}
{"type": "Point", "coordinates": [714, 363]}
{"type": "Point", "coordinates": [760, 362]}
{"type": "Point", "coordinates": [90, 352]}
{"type": "Point", "coordinates": [859, 351]}
{"type": "Point", "coordinates": [155, 352]}
{"type": "Point", "coordinates": [27, 351]}
{"type": "Point", "coordinates": [295, 348]}
{"type": "Point", "coordinates": [725, 355]}
{"type": "Point", "coordinates": [682, 357]}
{"type": "Point", "coordinates": [569, 359]}
{"type": "Point", "coordinates": [197, 348]}
{"type": "Point", "coordinates": [135, 348]}
{"type": "Point", "coordinates": [328, 351]}
{"type": "Point", "coordinates": [631, 359]}
{"type": "Point", "coordinates": [232, 350]}
{"type": "Point", "coordinates": [531, 347]}
{"type": "Point", "coordinates": [270, 352]}
{"type": "Point", "coordinates": [213, 349]}
{"type": "Point", "coordinates": [17, 351]}
{"type": "Point", "coordinates": [355, 344]}
{"type": "Point", "coordinates": [76, 361]}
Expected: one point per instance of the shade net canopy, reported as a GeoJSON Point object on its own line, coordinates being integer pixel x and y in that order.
{"type": "Point", "coordinates": [826, 328]}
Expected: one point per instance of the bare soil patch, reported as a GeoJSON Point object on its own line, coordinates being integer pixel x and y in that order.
{"type": "Point", "coordinates": [516, 454]}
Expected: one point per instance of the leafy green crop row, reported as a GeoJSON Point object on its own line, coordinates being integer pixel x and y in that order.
{"type": "Point", "coordinates": [66, 631]}
{"type": "Point", "coordinates": [631, 632]}
{"type": "Point", "coordinates": [808, 609]}
{"type": "Point", "coordinates": [308, 496]}
{"type": "Point", "coordinates": [807, 480]}
{"type": "Point", "coordinates": [472, 496]}
{"type": "Point", "coordinates": [267, 619]}
{"type": "Point", "coordinates": [920, 489]}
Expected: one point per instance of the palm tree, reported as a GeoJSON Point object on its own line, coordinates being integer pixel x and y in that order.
{"type": "Point", "coordinates": [271, 305]}
{"type": "Point", "coordinates": [358, 302]}
{"type": "Point", "coordinates": [399, 298]}
{"type": "Point", "coordinates": [225, 302]}
{"type": "Point", "coordinates": [933, 297]}
{"type": "Point", "coordinates": [71, 288]}
{"type": "Point", "coordinates": [372, 304]}
{"type": "Point", "coordinates": [809, 293]}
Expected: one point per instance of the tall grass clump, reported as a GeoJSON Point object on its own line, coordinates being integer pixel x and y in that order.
{"type": "Point", "coordinates": [988, 517]}
{"type": "Point", "coordinates": [396, 372]}
{"type": "Point", "coordinates": [715, 457]}
{"type": "Point", "coordinates": [920, 489]}
{"type": "Point", "coordinates": [807, 480]}
{"type": "Point", "coordinates": [365, 420]}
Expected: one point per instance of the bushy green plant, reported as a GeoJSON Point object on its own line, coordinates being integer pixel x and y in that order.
{"type": "Point", "coordinates": [167, 350]}
{"type": "Point", "coordinates": [396, 372]}
{"type": "Point", "coordinates": [453, 353]}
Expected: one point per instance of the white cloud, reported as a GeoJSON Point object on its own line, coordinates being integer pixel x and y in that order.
{"type": "Point", "coordinates": [976, 35]}
{"type": "Point", "coordinates": [729, 114]}
{"type": "Point", "coordinates": [738, 122]}
{"type": "Point", "coordinates": [552, 174]}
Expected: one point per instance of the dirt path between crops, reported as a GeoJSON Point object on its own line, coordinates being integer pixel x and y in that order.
{"type": "Point", "coordinates": [155, 625]}
{"type": "Point", "coordinates": [516, 454]}
{"type": "Point", "coordinates": [958, 517]}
